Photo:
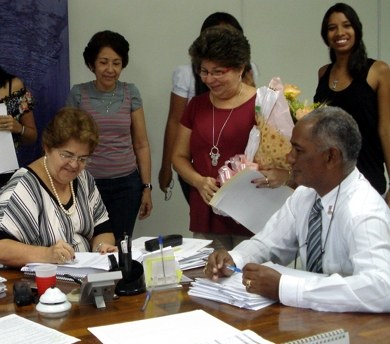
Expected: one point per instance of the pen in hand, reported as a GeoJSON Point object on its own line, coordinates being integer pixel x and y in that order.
{"type": "Point", "coordinates": [233, 268]}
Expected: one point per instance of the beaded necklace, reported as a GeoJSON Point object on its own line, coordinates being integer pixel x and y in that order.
{"type": "Point", "coordinates": [73, 207]}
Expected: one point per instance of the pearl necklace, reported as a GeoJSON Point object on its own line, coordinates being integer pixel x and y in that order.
{"type": "Point", "coordinates": [73, 207]}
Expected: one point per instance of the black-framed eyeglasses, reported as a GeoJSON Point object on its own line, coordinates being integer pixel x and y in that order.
{"type": "Point", "coordinates": [71, 157]}
{"type": "Point", "coordinates": [168, 192]}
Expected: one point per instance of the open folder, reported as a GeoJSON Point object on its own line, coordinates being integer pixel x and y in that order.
{"type": "Point", "coordinates": [85, 263]}
{"type": "Point", "coordinates": [250, 206]}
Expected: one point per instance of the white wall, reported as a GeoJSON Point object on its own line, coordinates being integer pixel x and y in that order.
{"type": "Point", "coordinates": [285, 40]}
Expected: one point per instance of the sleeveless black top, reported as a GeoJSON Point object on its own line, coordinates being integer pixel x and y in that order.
{"type": "Point", "coordinates": [360, 101]}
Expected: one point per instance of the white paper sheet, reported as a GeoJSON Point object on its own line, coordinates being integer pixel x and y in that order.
{"type": "Point", "coordinates": [8, 161]}
{"type": "Point", "coordinates": [173, 329]}
{"type": "Point", "coordinates": [16, 330]}
{"type": "Point", "coordinates": [250, 206]}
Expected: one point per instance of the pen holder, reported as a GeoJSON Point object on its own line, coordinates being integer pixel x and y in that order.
{"type": "Point", "coordinates": [133, 281]}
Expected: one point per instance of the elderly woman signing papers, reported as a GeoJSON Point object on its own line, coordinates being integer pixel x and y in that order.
{"type": "Point", "coordinates": [52, 208]}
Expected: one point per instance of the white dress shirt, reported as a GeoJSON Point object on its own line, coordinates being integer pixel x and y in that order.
{"type": "Point", "coordinates": [356, 244]}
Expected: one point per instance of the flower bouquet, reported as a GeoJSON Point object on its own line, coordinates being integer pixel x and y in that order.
{"type": "Point", "coordinates": [275, 125]}
{"type": "Point", "coordinates": [269, 141]}
{"type": "Point", "coordinates": [298, 109]}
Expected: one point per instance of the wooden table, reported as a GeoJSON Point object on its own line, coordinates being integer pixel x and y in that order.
{"type": "Point", "coordinates": [276, 322]}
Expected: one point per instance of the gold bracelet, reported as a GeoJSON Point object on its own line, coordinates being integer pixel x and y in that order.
{"type": "Point", "coordinates": [99, 246]}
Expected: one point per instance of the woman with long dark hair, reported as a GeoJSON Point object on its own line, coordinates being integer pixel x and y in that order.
{"type": "Point", "coordinates": [361, 86]}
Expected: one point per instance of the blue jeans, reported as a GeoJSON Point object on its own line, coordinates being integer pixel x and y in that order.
{"type": "Point", "coordinates": [122, 198]}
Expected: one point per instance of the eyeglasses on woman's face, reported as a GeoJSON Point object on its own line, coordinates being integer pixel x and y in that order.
{"type": "Point", "coordinates": [216, 73]}
{"type": "Point", "coordinates": [69, 157]}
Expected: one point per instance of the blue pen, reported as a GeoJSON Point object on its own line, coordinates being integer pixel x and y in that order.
{"type": "Point", "coordinates": [160, 242]}
{"type": "Point", "coordinates": [233, 268]}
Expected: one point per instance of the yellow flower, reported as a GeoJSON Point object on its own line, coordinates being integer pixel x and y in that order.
{"type": "Point", "coordinates": [291, 92]}
{"type": "Point", "coordinates": [298, 109]}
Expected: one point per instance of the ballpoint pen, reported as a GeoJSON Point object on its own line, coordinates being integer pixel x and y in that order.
{"type": "Point", "coordinates": [147, 299]}
{"type": "Point", "coordinates": [233, 268]}
{"type": "Point", "coordinates": [160, 242]}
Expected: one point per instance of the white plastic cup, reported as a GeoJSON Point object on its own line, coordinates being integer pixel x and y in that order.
{"type": "Point", "coordinates": [45, 277]}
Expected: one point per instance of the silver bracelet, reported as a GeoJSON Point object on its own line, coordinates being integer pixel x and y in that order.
{"type": "Point", "coordinates": [22, 132]}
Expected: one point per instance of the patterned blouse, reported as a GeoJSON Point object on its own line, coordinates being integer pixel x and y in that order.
{"type": "Point", "coordinates": [18, 103]}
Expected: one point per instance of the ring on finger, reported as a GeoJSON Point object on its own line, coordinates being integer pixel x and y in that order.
{"type": "Point", "coordinates": [63, 258]}
{"type": "Point", "coordinates": [248, 283]}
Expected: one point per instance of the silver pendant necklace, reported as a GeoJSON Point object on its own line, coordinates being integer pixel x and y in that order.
{"type": "Point", "coordinates": [214, 151]}
{"type": "Point", "coordinates": [106, 103]}
{"type": "Point", "coordinates": [334, 84]}
{"type": "Point", "coordinates": [110, 102]}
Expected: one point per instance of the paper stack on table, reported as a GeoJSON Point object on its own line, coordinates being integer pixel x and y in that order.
{"type": "Point", "coordinates": [84, 264]}
{"type": "Point", "coordinates": [231, 290]}
{"type": "Point", "coordinates": [191, 254]}
{"type": "Point", "coordinates": [3, 287]}
{"type": "Point", "coordinates": [228, 290]}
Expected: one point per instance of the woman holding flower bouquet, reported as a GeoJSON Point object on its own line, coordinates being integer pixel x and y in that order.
{"type": "Point", "coordinates": [215, 127]}
{"type": "Point", "coordinates": [359, 85]}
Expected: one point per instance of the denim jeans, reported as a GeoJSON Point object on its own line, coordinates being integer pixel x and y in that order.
{"type": "Point", "coordinates": [122, 198]}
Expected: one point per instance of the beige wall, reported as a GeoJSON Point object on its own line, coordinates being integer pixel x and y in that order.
{"type": "Point", "coordinates": [285, 40]}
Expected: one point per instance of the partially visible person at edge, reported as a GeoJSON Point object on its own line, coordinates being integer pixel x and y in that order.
{"type": "Point", "coordinates": [215, 126]}
{"type": "Point", "coordinates": [359, 85]}
{"type": "Point", "coordinates": [121, 163]}
{"type": "Point", "coordinates": [186, 84]}
{"type": "Point", "coordinates": [52, 208]}
{"type": "Point", "coordinates": [354, 247]}
{"type": "Point", "coordinates": [20, 118]}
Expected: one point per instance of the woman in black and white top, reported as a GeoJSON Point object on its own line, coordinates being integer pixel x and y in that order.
{"type": "Point", "coordinates": [52, 208]}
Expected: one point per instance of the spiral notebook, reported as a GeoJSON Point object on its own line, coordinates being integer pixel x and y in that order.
{"type": "Point", "coordinates": [338, 336]}
{"type": "Point", "coordinates": [85, 263]}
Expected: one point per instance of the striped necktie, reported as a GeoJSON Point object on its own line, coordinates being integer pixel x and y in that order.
{"type": "Point", "coordinates": [314, 247]}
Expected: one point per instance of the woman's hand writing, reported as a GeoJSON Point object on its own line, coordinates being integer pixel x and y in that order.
{"type": "Point", "coordinates": [60, 253]}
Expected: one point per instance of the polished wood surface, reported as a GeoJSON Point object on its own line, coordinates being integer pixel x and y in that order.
{"type": "Point", "coordinates": [276, 323]}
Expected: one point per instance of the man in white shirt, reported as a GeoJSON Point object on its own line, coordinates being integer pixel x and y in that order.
{"type": "Point", "coordinates": [354, 250]}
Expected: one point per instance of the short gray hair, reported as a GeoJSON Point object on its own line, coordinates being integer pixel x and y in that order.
{"type": "Point", "coordinates": [334, 127]}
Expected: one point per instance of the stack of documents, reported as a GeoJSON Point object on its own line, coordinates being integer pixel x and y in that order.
{"type": "Point", "coordinates": [85, 263]}
{"type": "Point", "coordinates": [196, 260]}
{"type": "Point", "coordinates": [228, 290]}
{"type": "Point", "coordinates": [3, 288]}
{"type": "Point", "coordinates": [191, 254]}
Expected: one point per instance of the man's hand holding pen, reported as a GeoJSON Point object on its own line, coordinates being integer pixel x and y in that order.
{"type": "Point", "coordinates": [256, 278]}
{"type": "Point", "coordinates": [217, 263]}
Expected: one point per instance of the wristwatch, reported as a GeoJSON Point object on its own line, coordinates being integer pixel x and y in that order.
{"type": "Point", "coordinates": [147, 186]}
